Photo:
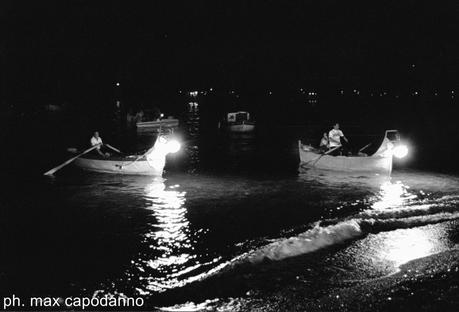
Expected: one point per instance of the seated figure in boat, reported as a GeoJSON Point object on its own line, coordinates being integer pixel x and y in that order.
{"type": "Point", "coordinates": [334, 137]}
{"type": "Point", "coordinates": [324, 144]}
{"type": "Point", "coordinates": [97, 140]}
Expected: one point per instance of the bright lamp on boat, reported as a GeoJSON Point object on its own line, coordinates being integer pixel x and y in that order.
{"type": "Point", "coordinates": [173, 146]}
{"type": "Point", "coordinates": [400, 151]}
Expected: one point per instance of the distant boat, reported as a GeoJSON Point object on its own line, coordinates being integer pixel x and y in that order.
{"type": "Point", "coordinates": [146, 126]}
{"type": "Point", "coordinates": [151, 163]}
{"type": "Point", "coordinates": [379, 162]}
{"type": "Point", "coordinates": [239, 122]}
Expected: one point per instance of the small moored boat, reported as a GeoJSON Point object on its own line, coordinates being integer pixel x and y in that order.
{"type": "Point", "coordinates": [151, 163]}
{"type": "Point", "coordinates": [145, 126]}
{"type": "Point", "coordinates": [379, 162]}
{"type": "Point", "coordinates": [240, 122]}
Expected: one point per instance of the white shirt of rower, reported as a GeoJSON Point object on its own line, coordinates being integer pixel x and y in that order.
{"type": "Point", "coordinates": [334, 137]}
{"type": "Point", "coordinates": [95, 141]}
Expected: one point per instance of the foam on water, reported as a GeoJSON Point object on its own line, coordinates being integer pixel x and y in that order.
{"type": "Point", "coordinates": [385, 212]}
{"type": "Point", "coordinates": [309, 241]}
{"type": "Point", "coordinates": [321, 237]}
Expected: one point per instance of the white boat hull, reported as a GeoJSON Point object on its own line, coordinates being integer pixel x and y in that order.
{"type": "Point", "coordinates": [376, 164]}
{"type": "Point", "coordinates": [241, 127]}
{"type": "Point", "coordinates": [122, 166]}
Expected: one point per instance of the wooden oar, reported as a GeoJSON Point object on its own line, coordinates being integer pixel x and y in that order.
{"type": "Point", "coordinates": [326, 153]}
{"type": "Point", "coordinates": [111, 147]}
{"type": "Point", "coordinates": [364, 147]}
{"type": "Point", "coordinates": [52, 171]}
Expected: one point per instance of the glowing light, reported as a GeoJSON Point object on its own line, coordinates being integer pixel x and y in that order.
{"type": "Point", "coordinates": [117, 84]}
{"type": "Point", "coordinates": [400, 151]}
{"type": "Point", "coordinates": [157, 155]}
{"type": "Point", "coordinates": [156, 159]}
{"type": "Point", "coordinates": [173, 146]}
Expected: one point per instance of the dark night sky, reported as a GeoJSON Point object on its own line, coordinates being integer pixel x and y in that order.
{"type": "Point", "coordinates": [59, 52]}
{"type": "Point", "coordinates": [56, 49]}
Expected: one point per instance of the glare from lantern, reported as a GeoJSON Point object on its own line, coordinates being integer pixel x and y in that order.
{"type": "Point", "coordinates": [400, 151]}
{"type": "Point", "coordinates": [157, 163]}
{"type": "Point", "coordinates": [173, 146]}
{"type": "Point", "coordinates": [160, 146]}
{"type": "Point", "coordinates": [156, 159]}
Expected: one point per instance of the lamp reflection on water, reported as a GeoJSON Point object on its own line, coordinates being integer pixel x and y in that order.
{"type": "Point", "coordinates": [169, 259]}
{"type": "Point", "coordinates": [392, 196]}
{"type": "Point", "coordinates": [170, 234]}
{"type": "Point", "coordinates": [404, 244]}
{"type": "Point", "coordinates": [168, 237]}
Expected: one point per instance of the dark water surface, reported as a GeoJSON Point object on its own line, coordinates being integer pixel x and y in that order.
{"type": "Point", "coordinates": [231, 226]}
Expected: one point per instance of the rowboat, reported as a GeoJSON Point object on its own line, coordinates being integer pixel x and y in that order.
{"type": "Point", "coordinates": [145, 126]}
{"type": "Point", "coordinates": [151, 163]}
{"type": "Point", "coordinates": [240, 122]}
{"type": "Point", "coordinates": [379, 162]}
{"type": "Point", "coordinates": [120, 165]}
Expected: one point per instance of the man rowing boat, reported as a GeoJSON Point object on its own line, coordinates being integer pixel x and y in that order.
{"type": "Point", "coordinates": [97, 140]}
{"type": "Point", "coordinates": [334, 139]}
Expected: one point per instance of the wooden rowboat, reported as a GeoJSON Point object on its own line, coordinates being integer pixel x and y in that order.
{"type": "Point", "coordinates": [379, 162]}
{"type": "Point", "coordinates": [119, 165]}
{"type": "Point", "coordinates": [151, 163]}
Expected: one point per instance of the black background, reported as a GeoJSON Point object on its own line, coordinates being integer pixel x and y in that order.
{"type": "Point", "coordinates": [402, 56]}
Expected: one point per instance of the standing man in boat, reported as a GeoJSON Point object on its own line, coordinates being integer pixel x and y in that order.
{"type": "Point", "coordinates": [334, 137]}
{"type": "Point", "coordinates": [97, 140]}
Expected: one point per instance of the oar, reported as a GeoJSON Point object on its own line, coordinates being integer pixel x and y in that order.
{"type": "Point", "coordinates": [364, 147]}
{"type": "Point", "coordinates": [326, 153]}
{"type": "Point", "coordinates": [50, 172]}
{"type": "Point", "coordinates": [111, 147]}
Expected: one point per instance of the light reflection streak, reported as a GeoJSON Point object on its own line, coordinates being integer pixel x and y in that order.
{"type": "Point", "coordinates": [171, 229]}
{"type": "Point", "coordinates": [403, 245]}
{"type": "Point", "coordinates": [392, 196]}
{"type": "Point", "coordinates": [172, 262]}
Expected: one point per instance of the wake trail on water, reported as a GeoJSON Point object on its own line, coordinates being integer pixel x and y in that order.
{"type": "Point", "coordinates": [333, 232]}
{"type": "Point", "coordinates": [357, 226]}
